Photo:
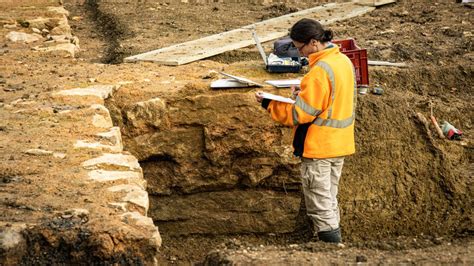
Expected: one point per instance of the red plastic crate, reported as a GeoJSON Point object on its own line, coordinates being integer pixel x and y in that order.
{"type": "Point", "coordinates": [358, 58]}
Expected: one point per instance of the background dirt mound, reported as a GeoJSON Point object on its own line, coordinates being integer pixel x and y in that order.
{"type": "Point", "coordinates": [277, 10]}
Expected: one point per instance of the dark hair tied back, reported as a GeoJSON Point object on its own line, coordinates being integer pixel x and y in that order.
{"type": "Point", "coordinates": [307, 29]}
{"type": "Point", "coordinates": [327, 36]}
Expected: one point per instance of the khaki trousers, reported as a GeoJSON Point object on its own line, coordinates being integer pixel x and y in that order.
{"type": "Point", "coordinates": [320, 180]}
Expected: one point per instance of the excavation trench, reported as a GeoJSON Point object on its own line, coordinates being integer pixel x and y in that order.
{"type": "Point", "coordinates": [112, 30]}
{"type": "Point", "coordinates": [216, 164]}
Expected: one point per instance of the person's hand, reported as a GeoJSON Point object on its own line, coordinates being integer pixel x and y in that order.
{"type": "Point", "coordinates": [258, 96]}
{"type": "Point", "coordinates": [295, 91]}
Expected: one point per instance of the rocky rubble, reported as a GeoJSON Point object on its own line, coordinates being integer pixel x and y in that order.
{"type": "Point", "coordinates": [89, 197]}
{"type": "Point", "coordinates": [403, 251]}
{"type": "Point", "coordinates": [52, 32]}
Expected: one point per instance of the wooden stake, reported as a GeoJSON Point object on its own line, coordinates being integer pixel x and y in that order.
{"type": "Point", "coordinates": [385, 63]}
{"type": "Point", "coordinates": [375, 2]}
{"type": "Point", "coordinates": [431, 108]}
{"type": "Point", "coordinates": [438, 129]}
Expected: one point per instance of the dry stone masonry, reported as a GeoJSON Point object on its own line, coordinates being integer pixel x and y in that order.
{"type": "Point", "coordinates": [96, 208]}
{"type": "Point", "coordinates": [118, 175]}
{"type": "Point", "coordinates": [52, 33]}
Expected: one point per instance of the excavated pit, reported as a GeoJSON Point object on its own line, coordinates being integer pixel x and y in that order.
{"type": "Point", "coordinates": [217, 167]}
{"type": "Point", "coordinates": [215, 164]}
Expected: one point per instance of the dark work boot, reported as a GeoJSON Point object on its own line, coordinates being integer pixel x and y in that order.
{"type": "Point", "coordinates": [333, 236]}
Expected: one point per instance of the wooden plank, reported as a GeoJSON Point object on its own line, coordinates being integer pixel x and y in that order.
{"type": "Point", "coordinates": [375, 3]}
{"type": "Point", "coordinates": [267, 30]}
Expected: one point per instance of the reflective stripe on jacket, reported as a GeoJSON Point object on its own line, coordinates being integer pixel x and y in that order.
{"type": "Point", "coordinates": [324, 112]}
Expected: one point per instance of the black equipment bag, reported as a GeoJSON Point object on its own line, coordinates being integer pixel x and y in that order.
{"type": "Point", "coordinates": [284, 48]}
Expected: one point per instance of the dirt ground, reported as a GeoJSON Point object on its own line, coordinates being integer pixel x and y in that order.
{"type": "Point", "coordinates": [434, 38]}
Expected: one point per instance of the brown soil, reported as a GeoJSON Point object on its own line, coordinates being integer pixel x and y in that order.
{"type": "Point", "coordinates": [430, 180]}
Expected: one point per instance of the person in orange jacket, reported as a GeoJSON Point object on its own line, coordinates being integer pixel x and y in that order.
{"type": "Point", "coordinates": [323, 120]}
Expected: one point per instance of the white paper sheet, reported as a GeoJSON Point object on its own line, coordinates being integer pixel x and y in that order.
{"type": "Point", "coordinates": [242, 79]}
{"type": "Point", "coordinates": [284, 83]}
{"type": "Point", "coordinates": [274, 97]}
{"type": "Point", "coordinates": [228, 83]}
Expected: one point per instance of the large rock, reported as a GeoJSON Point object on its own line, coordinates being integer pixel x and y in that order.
{"type": "Point", "coordinates": [112, 161]}
{"type": "Point", "coordinates": [147, 116]}
{"type": "Point", "coordinates": [12, 243]}
{"type": "Point", "coordinates": [95, 94]}
{"type": "Point", "coordinates": [16, 36]}
{"type": "Point", "coordinates": [56, 26]}
{"type": "Point", "coordinates": [60, 50]}
{"type": "Point", "coordinates": [134, 194]}
{"type": "Point", "coordinates": [42, 23]}
{"type": "Point", "coordinates": [58, 10]}
{"type": "Point", "coordinates": [216, 146]}
{"type": "Point", "coordinates": [62, 28]}
{"type": "Point", "coordinates": [226, 212]}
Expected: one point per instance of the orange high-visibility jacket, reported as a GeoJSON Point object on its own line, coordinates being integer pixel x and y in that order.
{"type": "Point", "coordinates": [324, 112]}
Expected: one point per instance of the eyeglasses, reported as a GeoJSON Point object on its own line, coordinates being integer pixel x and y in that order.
{"type": "Point", "coordinates": [301, 47]}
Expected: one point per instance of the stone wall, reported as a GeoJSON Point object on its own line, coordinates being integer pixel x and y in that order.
{"type": "Point", "coordinates": [85, 201]}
